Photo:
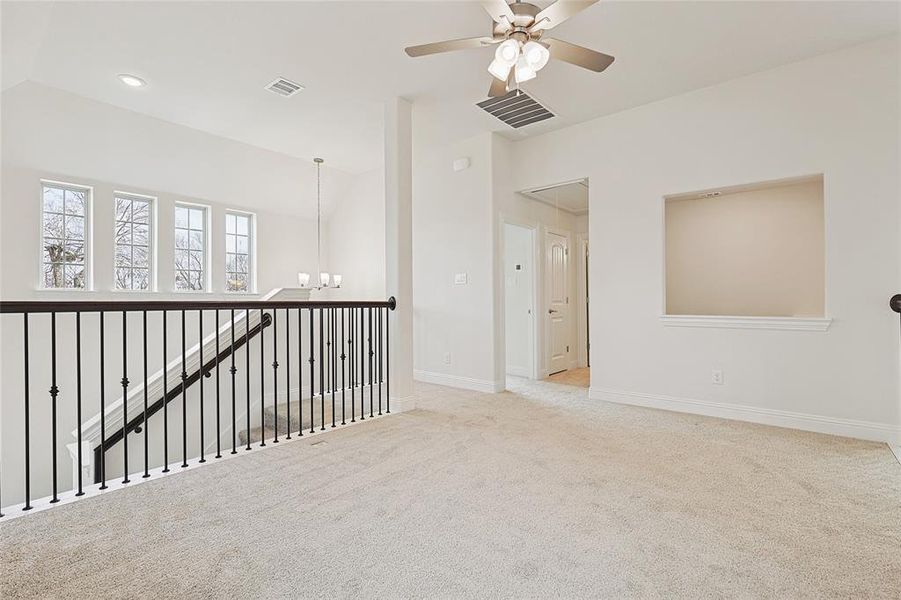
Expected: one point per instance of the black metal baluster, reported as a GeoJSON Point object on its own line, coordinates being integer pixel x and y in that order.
{"type": "Point", "coordinates": [387, 361]}
{"type": "Point", "coordinates": [80, 491]}
{"type": "Point", "coordinates": [184, 396]}
{"type": "Point", "coordinates": [165, 391]}
{"type": "Point", "coordinates": [200, 379]}
{"type": "Point", "coordinates": [362, 364]}
{"type": "Point", "coordinates": [124, 382]}
{"type": "Point", "coordinates": [333, 370]}
{"type": "Point", "coordinates": [321, 370]}
{"type": "Point", "coordinates": [247, 370]}
{"type": "Point", "coordinates": [369, 339]}
{"type": "Point", "coordinates": [27, 419]}
{"type": "Point", "coordinates": [287, 373]}
{"type": "Point", "coordinates": [146, 446]}
{"type": "Point", "coordinates": [218, 391]}
{"type": "Point", "coordinates": [54, 392]}
{"type": "Point", "coordinates": [233, 371]}
{"type": "Point", "coordinates": [378, 353]}
{"type": "Point", "coordinates": [275, 371]}
{"type": "Point", "coordinates": [299, 373]}
{"type": "Point", "coordinates": [351, 323]}
{"type": "Point", "coordinates": [312, 374]}
{"type": "Point", "coordinates": [262, 384]}
{"type": "Point", "coordinates": [343, 356]}
{"type": "Point", "coordinates": [102, 405]}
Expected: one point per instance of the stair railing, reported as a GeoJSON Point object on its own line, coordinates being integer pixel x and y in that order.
{"type": "Point", "coordinates": [342, 346]}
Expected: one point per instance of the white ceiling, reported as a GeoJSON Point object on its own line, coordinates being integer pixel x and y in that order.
{"type": "Point", "coordinates": [207, 63]}
{"type": "Point", "coordinates": [571, 197]}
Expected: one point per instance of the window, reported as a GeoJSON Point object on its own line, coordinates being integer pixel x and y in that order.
{"type": "Point", "coordinates": [237, 252]}
{"type": "Point", "coordinates": [190, 247]}
{"type": "Point", "coordinates": [64, 236]}
{"type": "Point", "coordinates": [748, 251]}
{"type": "Point", "coordinates": [134, 248]}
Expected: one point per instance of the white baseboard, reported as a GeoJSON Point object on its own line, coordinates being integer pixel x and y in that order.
{"type": "Point", "coordinates": [457, 381]}
{"type": "Point", "coordinates": [866, 430]}
{"type": "Point", "coordinates": [399, 405]}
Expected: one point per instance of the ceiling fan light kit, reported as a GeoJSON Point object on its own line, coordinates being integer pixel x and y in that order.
{"type": "Point", "coordinates": [517, 30]}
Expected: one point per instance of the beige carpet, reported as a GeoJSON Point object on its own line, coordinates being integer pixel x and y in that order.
{"type": "Point", "coordinates": [532, 494]}
{"type": "Point", "coordinates": [578, 377]}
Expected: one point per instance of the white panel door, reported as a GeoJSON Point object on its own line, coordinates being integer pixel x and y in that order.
{"type": "Point", "coordinates": [557, 295]}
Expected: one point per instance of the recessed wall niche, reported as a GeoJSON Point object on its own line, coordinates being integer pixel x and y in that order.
{"type": "Point", "coordinates": [749, 250]}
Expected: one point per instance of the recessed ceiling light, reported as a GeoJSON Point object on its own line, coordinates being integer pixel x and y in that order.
{"type": "Point", "coordinates": [131, 80]}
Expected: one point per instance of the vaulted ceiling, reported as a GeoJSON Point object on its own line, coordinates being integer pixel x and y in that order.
{"type": "Point", "coordinates": [206, 64]}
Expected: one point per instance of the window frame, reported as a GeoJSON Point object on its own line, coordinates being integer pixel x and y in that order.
{"type": "Point", "coordinates": [88, 235]}
{"type": "Point", "coordinates": [251, 251]}
{"type": "Point", "coordinates": [152, 241]}
{"type": "Point", "coordinates": [207, 245]}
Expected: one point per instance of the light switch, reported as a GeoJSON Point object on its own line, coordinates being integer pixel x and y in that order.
{"type": "Point", "coordinates": [460, 279]}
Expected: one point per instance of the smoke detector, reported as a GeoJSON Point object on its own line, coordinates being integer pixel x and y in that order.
{"type": "Point", "coordinates": [284, 87]}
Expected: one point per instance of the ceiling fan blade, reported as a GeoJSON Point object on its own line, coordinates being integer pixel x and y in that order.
{"type": "Point", "coordinates": [558, 12]}
{"type": "Point", "coordinates": [449, 45]}
{"type": "Point", "coordinates": [498, 88]}
{"type": "Point", "coordinates": [499, 11]}
{"type": "Point", "coordinates": [578, 55]}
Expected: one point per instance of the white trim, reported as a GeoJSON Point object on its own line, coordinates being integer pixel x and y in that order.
{"type": "Point", "coordinates": [729, 322]}
{"type": "Point", "coordinates": [207, 246]}
{"type": "Point", "coordinates": [251, 250]}
{"type": "Point", "coordinates": [458, 381]}
{"type": "Point", "coordinates": [866, 430]}
{"type": "Point", "coordinates": [153, 245]}
{"type": "Point", "coordinates": [88, 240]}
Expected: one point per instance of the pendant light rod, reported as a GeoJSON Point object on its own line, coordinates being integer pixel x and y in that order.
{"type": "Point", "coordinates": [318, 162]}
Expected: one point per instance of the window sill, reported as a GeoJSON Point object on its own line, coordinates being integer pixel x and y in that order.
{"type": "Point", "coordinates": [820, 324]}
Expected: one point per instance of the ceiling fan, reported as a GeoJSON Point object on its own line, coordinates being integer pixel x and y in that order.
{"type": "Point", "coordinates": [521, 52]}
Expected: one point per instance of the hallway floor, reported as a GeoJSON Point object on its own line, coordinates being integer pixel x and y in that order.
{"type": "Point", "coordinates": [577, 377]}
{"type": "Point", "coordinates": [533, 493]}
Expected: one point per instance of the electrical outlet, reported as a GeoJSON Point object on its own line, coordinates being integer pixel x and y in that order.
{"type": "Point", "coordinates": [447, 358]}
{"type": "Point", "coordinates": [716, 377]}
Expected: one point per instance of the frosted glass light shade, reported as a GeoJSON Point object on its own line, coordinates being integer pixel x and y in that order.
{"type": "Point", "coordinates": [303, 279]}
{"type": "Point", "coordinates": [524, 71]}
{"type": "Point", "coordinates": [536, 55]}
{"type": "Point", "coordinates": [507, 52]}
{"type": "Point", "coordinates": [337, 280]}
{"type": "Point", "coordinates": [499, 70]}
{"type": "Point", "coordinates": [323, 279]}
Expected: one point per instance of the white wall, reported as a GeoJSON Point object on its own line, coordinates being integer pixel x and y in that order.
{"type": "Point", "coordinates": [356, 238]}
{"type": "Point", "coordinates": [453, 222]}
{"type": "Point", "coordinates": [519, 298]}
{"type": "Point", "coordinates": [836, 114]}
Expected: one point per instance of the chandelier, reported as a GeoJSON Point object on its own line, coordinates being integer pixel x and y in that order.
{"type": "Point", "coordinates": [325, 279]}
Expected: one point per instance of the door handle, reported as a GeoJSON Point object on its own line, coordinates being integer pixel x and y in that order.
{"type": "Point", "coordinates": [551, 311]}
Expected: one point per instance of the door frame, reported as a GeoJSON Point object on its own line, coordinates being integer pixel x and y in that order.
{"type": "Point", "coordinates": [583, 356]}
{"type": "Point", "coordinates": [535, 231]}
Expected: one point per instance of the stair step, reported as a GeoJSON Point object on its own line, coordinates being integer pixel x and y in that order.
{"type": "Point", "coordinates": [270, 421]}
{"type": "Point", "coordinates": [255, 435]}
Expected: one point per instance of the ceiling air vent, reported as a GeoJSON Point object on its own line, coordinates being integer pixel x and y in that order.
{"type": "Point", "coordinates": [516, 109]}
{"type": "Point", "coordinates": [284, 87]}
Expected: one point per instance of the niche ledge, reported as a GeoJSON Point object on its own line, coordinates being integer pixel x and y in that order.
{"type": "Point", "coordinates": [727, 322]}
